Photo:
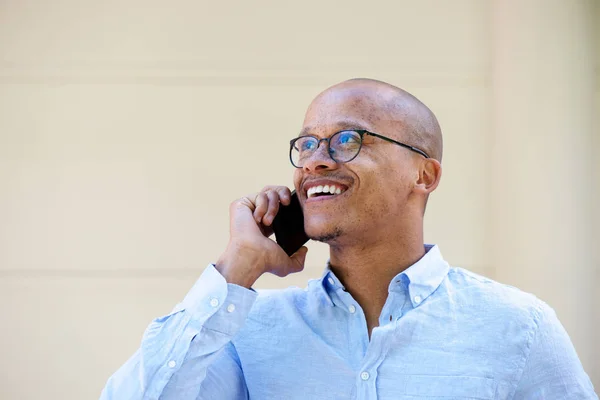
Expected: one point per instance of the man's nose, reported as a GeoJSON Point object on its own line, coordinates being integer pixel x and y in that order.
{"type": "Point", "coordinates": [320, 159]}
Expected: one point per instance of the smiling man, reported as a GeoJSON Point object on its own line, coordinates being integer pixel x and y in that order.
{"type": "Point", "coordinates": [389, 318]}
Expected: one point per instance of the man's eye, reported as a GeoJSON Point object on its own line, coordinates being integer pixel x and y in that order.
{"type": "Point", "coordinates": [348, 138]}
{"type": "Point", "coordinates": [307, 145]}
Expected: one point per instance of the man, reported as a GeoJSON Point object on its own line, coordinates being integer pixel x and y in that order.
{"type": "Point", "coordinates": [389, 319]}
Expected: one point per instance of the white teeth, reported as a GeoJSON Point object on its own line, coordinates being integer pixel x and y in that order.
{"type": "Point", "coordinates": [323, 189]}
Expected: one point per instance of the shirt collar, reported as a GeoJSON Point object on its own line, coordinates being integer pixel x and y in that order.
{"type": "Point", "coordinates": [422, 278]}
{"type": "Point", "coordinates": [329, 284]}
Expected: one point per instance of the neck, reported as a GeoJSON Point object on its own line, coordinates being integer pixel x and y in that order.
{"type": "Point", "coordinates": [367, 268]}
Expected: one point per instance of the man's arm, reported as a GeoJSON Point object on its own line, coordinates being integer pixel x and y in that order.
{"type": "Point", "coordinates": [553, 370]}
{"type": "Point", "coordinates": [188, 354]}
{"type": "Point", "coordinates": [177, 350]}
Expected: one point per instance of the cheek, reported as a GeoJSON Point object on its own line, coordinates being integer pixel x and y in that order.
{"type": "Point", "coordinates": [386, 192]}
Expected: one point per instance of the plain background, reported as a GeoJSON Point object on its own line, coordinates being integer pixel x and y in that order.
{"type": "Point", "coordinates": [127, 128]}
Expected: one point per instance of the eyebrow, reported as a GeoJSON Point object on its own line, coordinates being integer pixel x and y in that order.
{"type": "Point", "coordinates": [339, 126]}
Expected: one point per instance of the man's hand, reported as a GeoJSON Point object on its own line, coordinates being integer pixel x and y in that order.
{"type": "Point", "coordinates": [250, 252]}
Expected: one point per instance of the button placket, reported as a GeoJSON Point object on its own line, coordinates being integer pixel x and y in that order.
{"type": "Point", "coordinates": [367, 385]}
{"type": "Point", "coordinates": [392, 309]}
{"type": "Point", "coordinates": [372, 360]}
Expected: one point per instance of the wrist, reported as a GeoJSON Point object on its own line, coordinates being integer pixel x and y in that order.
{"type": "Point", "coordinates": [240, 265]}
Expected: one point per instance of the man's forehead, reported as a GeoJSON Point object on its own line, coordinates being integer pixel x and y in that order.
{"type": "Point", "coordinates": [340, 123]}
{"type": "Point", "coordinates": [349, 107]}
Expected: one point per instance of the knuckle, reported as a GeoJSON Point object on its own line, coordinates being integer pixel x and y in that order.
{"type": "Point", "coordinates": [275, 188]}
{"type": "Point", "coordinates": [236, 203]}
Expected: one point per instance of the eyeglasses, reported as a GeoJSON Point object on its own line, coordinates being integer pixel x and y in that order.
{"type": "Point", "coordinates": [342, 146]}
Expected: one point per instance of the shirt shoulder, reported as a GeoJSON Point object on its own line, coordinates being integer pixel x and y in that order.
{"type": "Point", "coordinates": [492, 297]}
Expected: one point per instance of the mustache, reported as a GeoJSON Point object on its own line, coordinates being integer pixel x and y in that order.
{"type": "Point", "coordinates": [342, 178]}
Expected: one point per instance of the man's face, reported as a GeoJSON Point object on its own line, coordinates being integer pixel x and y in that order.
{"type": "Point", "coordinates": [374, 187]}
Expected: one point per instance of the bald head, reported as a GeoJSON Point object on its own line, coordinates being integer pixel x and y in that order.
{"type": "Point", "coordinates": [382, 101]}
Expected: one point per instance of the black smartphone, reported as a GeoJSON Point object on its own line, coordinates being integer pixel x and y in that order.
{"type": "Point", "coordinates": [288, 226]}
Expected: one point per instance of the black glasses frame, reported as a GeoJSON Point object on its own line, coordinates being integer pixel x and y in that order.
{"type": "Point", "coordinates": [361, 133]}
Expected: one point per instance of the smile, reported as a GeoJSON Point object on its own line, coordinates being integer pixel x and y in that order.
{"type": "Point", "coordinates": [325, 190]}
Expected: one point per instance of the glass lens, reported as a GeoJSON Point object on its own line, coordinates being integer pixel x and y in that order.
{"type": "Point", "coordinates": [302, 149]}
{"type": "Point", "coordinates": [344, 145]}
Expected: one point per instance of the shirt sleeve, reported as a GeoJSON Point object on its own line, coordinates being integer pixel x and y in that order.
{"type": "Point", "coordinates": [177, 349]}
{"type": "Point", "coordinates": [553, 370]}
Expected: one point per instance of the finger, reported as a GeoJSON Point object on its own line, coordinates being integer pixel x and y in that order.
{"type": "Point", "coordinates": [298, 259]}
{"type": "Point", "coordinates": [262, 203]}
{"type": "Point", "coordinates": [247, 201]}
{"type": "Point", "coordinates": [285, 195]}
{"type": "Point", "coordinates": [273, 207]}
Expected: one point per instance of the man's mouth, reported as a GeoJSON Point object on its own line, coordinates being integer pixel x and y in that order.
{"type": "Point", "coordinates": [325, 190]}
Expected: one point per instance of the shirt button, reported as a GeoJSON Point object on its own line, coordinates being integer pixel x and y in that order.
{"type": "Point", "coordinates": [417, 299]}
{"type": "Point", "coordinates": [331, 281]}
{"type": "Point", "coordinates": [214, 302]}
{"type": "Point", "coordinates": [231, 308]}
{"type": "Point", "coordinates": [172, 364]}
{"type": "Point", "coordinates": [364, 376]}
{"type": "Point", "coordinates": [352, 309]}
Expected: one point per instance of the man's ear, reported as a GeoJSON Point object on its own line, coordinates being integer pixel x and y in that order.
{"type": "Point", "coordinates": [430, 173]}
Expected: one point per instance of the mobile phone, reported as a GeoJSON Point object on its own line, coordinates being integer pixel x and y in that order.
{"type": "Point", "coordinates": [288, 226]}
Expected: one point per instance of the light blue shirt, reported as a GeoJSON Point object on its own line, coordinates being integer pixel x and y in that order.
{"type": "Point", "coordinates": [444, 333]}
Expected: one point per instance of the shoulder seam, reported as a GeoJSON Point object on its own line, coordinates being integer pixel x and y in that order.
{"type": "Point", "coordinates": [532, 336]}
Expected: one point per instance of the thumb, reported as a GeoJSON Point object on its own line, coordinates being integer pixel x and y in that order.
{"type": "Point", "coordinates": [299, 257]}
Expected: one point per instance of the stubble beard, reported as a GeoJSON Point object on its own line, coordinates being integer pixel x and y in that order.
{"type": "Point", "coordinates": [328, 237]}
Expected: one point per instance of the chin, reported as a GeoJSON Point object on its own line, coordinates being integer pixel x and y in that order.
{"type": "Point", "coordinates": [328, 238]}
{"type": "Point", "coordinates": [322, 232]}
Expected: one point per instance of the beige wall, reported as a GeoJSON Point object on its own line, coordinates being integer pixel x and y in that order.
{"type": "Point", "coordinates": [595, 217]}
{"type": "Point", "coordinates": [126, 130]}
